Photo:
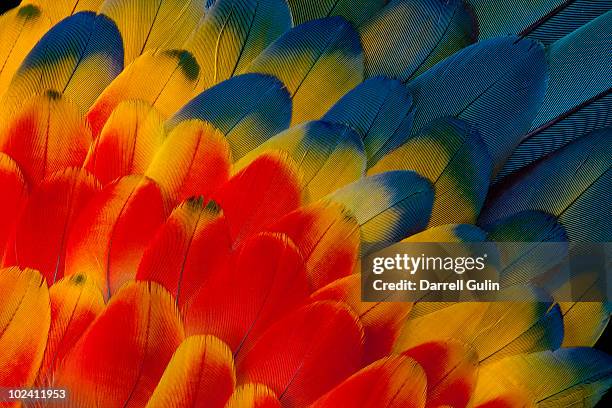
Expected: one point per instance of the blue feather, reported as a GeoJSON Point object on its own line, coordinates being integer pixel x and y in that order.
{"type": "Point", "coordinates": [573, 184]}
{"type": "Point", "coordinates": [248, 108]}
{"type": "Point", "coordinates": [578, 97]}
{"type": "Point", "coordinates": [380, 110]}
{"type": "Point", "coordinates": [497, 85]}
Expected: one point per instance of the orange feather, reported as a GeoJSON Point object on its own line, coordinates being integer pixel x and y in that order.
{"type": "Point", "coordinates": [200, 373]}
{"type": "Point", "coordinates": [110, 235]}
{"type": "Point", "coordinates": [122, 355]}
{"type": "Point", "coordinates": [253, 396]}
{"type": "Point", "coordinates": [14, 195]}
{"type": "Point", "coordinates": [24, 324]}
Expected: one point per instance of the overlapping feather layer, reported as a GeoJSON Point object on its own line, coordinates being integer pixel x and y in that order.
{"type": "Point", "coordinates": [186, 188]}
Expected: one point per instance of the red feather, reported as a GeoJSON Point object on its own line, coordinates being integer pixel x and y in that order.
{"type": "Point", "coordinates": [48, 218]}
{"type": "Point", "coordinates": [13, 190]}
{"type": "Point", "coordinates": [305, 354]}
{"type": "Point", "coordinates": [253, 396]}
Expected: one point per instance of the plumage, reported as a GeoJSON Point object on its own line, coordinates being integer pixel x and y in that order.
{"type": "Point", "coordinates": [60, 9]}
{"type": "Point", "coordinates": [24, 294]}
{"type": "Point", "coordinates": [259, 194]}
{"type": "Point", "coordinates": [407, 37]}
{"type": "Point", "coordinates": [111, 233]}
{"type": "Point", "coordinates": [121, 357]}
{"type": "Point", "coordinates": [356, 12]}
{"type": "Point", "coordinates": [77, 58]}
{"type": "Point", "coordinates": [497, 85]}
{"type": "Point", "coordinates": [580, 65]}
{"type": "Point", "coordinates": [453, 157]}
{"type": "Point", "coordinates": [527, 327]}
{"type": "Point", "coordinates": [304, 355]}
{"type": "Point", "coordinates": [380, 110]}
{"type": "Point", "coordinates": [584, 322]}
{"type": "Point", "coordinates": [327, 237]}
{"type": "Point", "coordinates": [203, 357]}
{"type": "Point", "coordinates": [393, 382]}
{"type": "Point", "coordinates": [253, 396]}
{"type": "Point", "coordinates": [248, 109]}
{"type": "Point", "coordinates": [233, 33]}
{"type": "Point", "coordinates": [14, 196]}
{"type": "Point", "coordinates": [20, 30]}
{"type": "Point", "coordinates": [388, 206]}
{"type": "Point", "coordinates": [571, 182]}
{"type": "Point", "coordinates": [451, 369]}
{"type": "Point", "coordinates": [165, 79]}
{"type": "Point", "coordinates": [545, 21]}
{"type": "Point", "coordinates": [449, 233]}
{"type": "Point", "coordinates": [240, 301]}
{"type": "Point", "coordinates": [187, 249]}
{"type": "Point", "coordinates": [161, 23]}
{"type": "Point", "coordinates": [328, 155]}
{"type": "Point", "coordinates": [47, 219]}
{"type": "Point", "coordinates": [46, 136]}
{"type": "Point", "coordinates": [131, 137]}
{"type": "Point", "coordinates": [75, 302]}
{"type": "Point", "coordinates": [381, 321]}
{"type": "Point", "coordinates": [319, 53]}
{"type": "Point", "coordinates": [194, 160]}
{"type": "Point", "coordinates": [566, 377]}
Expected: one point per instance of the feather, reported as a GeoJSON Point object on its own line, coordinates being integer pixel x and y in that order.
{"type": "Point", "coordinates": [20, 30]}
{"type": "Point", "coordinates": [248, 109]}
{"type": "Point", "coordinates": [75, 303]}
{"type": "Point", "coordinates": [111, 233]}
{"type": "Point", "coordinates": [525, 262]}
{"type": "Point", "coordinates": [46, 221]}
{"type": "Point", "coordinates": [46, 136]}
{"type": "Point", "coordinates": [545, 21]}
{"type": "Point", "coordinates": [328, 155]}
{"type": "Point", "coordinates": [128, 142]}
{"type": "Point", "coordinates": [566, 377]}
{"type": "Point", "coordinates": [201, 371]}
{"type": "Point", "coordinates": [318, 54]}
{"type": "Point", "coordinates": [356, 12]}
{"type": "Point", "coordinates": [305, 354]}
{"type": "Point", "coordinates": [193, 243]}
{"type": "Point", "coordinates": [391, 382]}
{"type": "Point", "coordinates": [78, 58]}
{"type": "Point", "coordinates": [494, 330]}
{"type": "Point", "coordinates": [23, 338]}
{"type": "Point", "coordinates": [452, 370]}
{"type": "Point", "coordinates": [579, 90]}
{"type": "Point", "coordinates": [253, 396]}
{"type": "Point", "coordinates": [326, 236]}
{"type": "Point", "coordinates": [584, 322]}
{"type": "Point", "coordinates": [153, 24]}
{"type": "Point", "coordinates": [163, 79]}
{"type": "Point", "coordinates": [14, 192]}
{"type": "Point", "coordinates": [453, 157]}
{"type": "Point", "coordinates": [382, 321]}
{"type": "Point", "coordinates": [407, 37]}
{"type": "Point", "coordinates": [260, 194]}
{"type": "Point", "coordinates": [388, 206]}
{"type": "Point", "coordinates": [449, 233]}
{"type": "Point", "coordinates": [122, 355]}
{"type": "Point", "coordinates": [496, 85]}
{"type": "Point", "coordinates": [194, 160]}
{"type": "Point", "coordinates": [265, 281]}
{"type": "Point", "coordinates": [60, 9]}
{"type": "Point", "coordinates": [380, 110]}
{"type": "Point", "coordinates": [233, 33]}
{"type": "Point", "coordinates": [573, 184]}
